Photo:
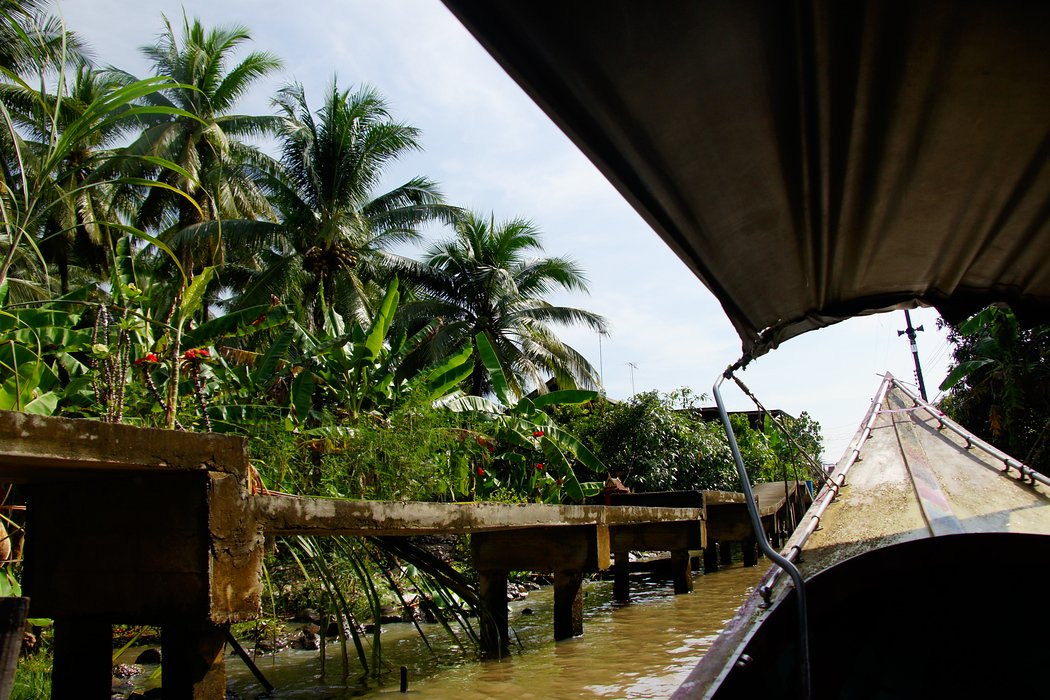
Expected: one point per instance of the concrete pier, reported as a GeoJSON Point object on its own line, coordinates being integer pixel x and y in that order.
{"type": "Point", "coordinates": [152, 527]}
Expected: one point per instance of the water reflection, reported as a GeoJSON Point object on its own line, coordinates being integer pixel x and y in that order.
{"type": "Point", "coordinates": [641, 650]}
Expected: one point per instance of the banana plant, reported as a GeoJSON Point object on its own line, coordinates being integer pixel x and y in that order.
{"type": "Point", "coordinates": [37, 346]}
{"type": "Point", "coordinates": [349, 372]}
{"type": "Point", "coordinates": [530, 455]}
{"type": "Point", "coordinates": [355, 371]}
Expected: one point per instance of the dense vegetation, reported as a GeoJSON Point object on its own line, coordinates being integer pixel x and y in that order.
{"type": "Point", "coordinates": [999, 386]}
{"type": "Point", "coordinates": [160, 269]}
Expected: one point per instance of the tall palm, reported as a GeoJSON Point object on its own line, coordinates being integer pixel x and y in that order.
{"type": "Point", "coordinates": [79, 229]}
{"type": "Point", "coordinates": [210, 146]}
{"type": "Point", "coordinates": [60, 117]}
{"type": "Point", "coordinates": [487, 280]}
{"type": "Point", "coordinates": [33, 41]}
{"type": "Point", "coordinates": [331, 247]}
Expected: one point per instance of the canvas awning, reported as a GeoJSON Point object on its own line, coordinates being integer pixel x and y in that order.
{"type": "Point", "coordinates": [810, 160]}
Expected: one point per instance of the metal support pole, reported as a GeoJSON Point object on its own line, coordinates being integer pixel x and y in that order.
{"type": "Point", "coordinates": [910, 331]}
{"type": "Point", "coordinates": [756, 526]}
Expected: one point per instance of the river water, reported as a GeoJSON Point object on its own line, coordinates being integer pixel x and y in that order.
{"type": "Point", "coordinates": [641, 650]}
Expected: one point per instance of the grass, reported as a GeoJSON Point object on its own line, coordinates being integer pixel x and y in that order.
{"type": "Point", "coordinates": [32, 678]}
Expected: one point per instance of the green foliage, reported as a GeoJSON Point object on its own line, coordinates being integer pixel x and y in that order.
{"type": "Point", "coordinates": [414, 453]}
{"type": "Point", "coordinates": [38, 345]}
{"type": "Point", "coordinates": [143, 284]}
{"type": "Point", "coordinates": [657, 442]}
{"type": "Point", "coordinates": [528, 454]}
{"type": "Point", "coordinates": [32, 677]}
{"type": "Point", "coordinates": [653, 442]}
{"type": "Point", "coordinates": [999, 386]}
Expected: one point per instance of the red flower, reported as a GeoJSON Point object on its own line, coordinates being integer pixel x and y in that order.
{"type": "Point", "coordinates": [481, 472]}
{"type": "Point", "coordinates": [538, 433]}
{"type": "Point", "coordinates": [195, 354]}
{"type": "Point", "coordinates": [540, 466]}
{"type": "Point", "coordinates": [150, 357]}
{"type": "Point", "coordinates": [559, 482]}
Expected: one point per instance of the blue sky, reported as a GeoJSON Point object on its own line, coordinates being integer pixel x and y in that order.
{"type": "Point", "coordinates": [492, 150]}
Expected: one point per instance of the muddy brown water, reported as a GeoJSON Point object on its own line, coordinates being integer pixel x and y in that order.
{"type": "Point", "coordinates": [641, 650]}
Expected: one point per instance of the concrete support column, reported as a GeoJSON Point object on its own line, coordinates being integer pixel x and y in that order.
{"type": "Point", "coordinates": [495, 625]}
{"type": "Point", "coordinates": [725, 553]}
{"type": "Point", "coordinates": [681, 572]}
{"type": "Point", "coordinates": [83, 649]}
{"type": "Point", "coordinates": [621, 577]}
{"type": "Point", "coordinates": [711, 557]}
{"type": "Point", "coordinates": [750, 551]}
{"type": "Point", "coordinates": [568, 604]}
{"type": "Point", "coordinates": [193, 666]}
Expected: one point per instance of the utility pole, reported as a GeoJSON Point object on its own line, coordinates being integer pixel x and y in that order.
{"type": "Point", "coordinates": [601, 364]}
{"type": "Point", "coordinates": [910, 332]}
{"type": "Point", "coordinates": [633, 368]}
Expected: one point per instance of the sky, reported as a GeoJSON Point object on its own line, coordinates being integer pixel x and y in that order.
{"type": "Point", "coordinates": [493, 151]}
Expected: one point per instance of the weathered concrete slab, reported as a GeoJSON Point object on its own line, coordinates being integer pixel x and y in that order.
{"type": "Point", "coordinates": [36, 448]}
{"type": "Point", "coordinates": [574, 548]}
{"type": "Point", "coordinates": [292, 515]}
{"type": "Point", "coordinates": [728, 521]}
{"type": "Point", "coordinates": [774, 495]}
{"type": "Point", "coordinates": [144, 549]}
{"type": "Point", "coordinates": [659, 537]}
{"type": "Point", "coordinates": [715, 498]}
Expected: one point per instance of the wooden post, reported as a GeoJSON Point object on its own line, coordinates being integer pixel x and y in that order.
{"type": "Point", "coordinates": [711, 557]}
{"type": "Point", "coordinates": [568, 604]}
{"type": "Point", "coordinates": [83, 649]}
{"type": "Point", "coordinates": [193, 667]}
{"type": "Point", "coordinates": [681, 572]}
{"type": "Point", "coordinates": [621, 577]}
{"type": "Point", "coordinates": [12, 626]}
{"type": "Point", "coordinates": [495, 625]}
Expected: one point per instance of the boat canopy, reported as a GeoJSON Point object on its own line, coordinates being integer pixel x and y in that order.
{"type": "Point", "coordinates": [810, 160]}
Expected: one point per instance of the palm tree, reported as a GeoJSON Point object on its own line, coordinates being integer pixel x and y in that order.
{"type": "Point", "coordinates": [206, 141]}
{"type": "Point", "coordinates": [79, 229]}
{"type": "Point", "coordinates": [483, 281]}
{"type": "Point", "coordinates": [33, 41]}
{"type": "Point", "coordinates": [331, 247]}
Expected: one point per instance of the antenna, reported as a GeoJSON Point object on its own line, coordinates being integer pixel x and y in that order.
{"type": "Point", "coordinates": [633, 367]}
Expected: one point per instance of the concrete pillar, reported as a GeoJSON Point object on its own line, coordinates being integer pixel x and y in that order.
{"type": "Point", "coordinates": [725, 553]}
{"type": "Point", "coordinates": [83, 649]}
{"type": "Point", "coordinates": [621, 577]}
{"type": "Point", "coordinates": [711, 557]}
{"type": "Point", "coordinates": [568, 604]}
{"type": "Point", "coordinates": [750, 551]}
{"type": "Point", "coordinates": [681, 572]}
{"type": "Point", "coordinates": [13, 613]}
{"type": "Point", "coordinates": [193, 667]}
{"type": "Point", "coordinates": [495, 625]}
